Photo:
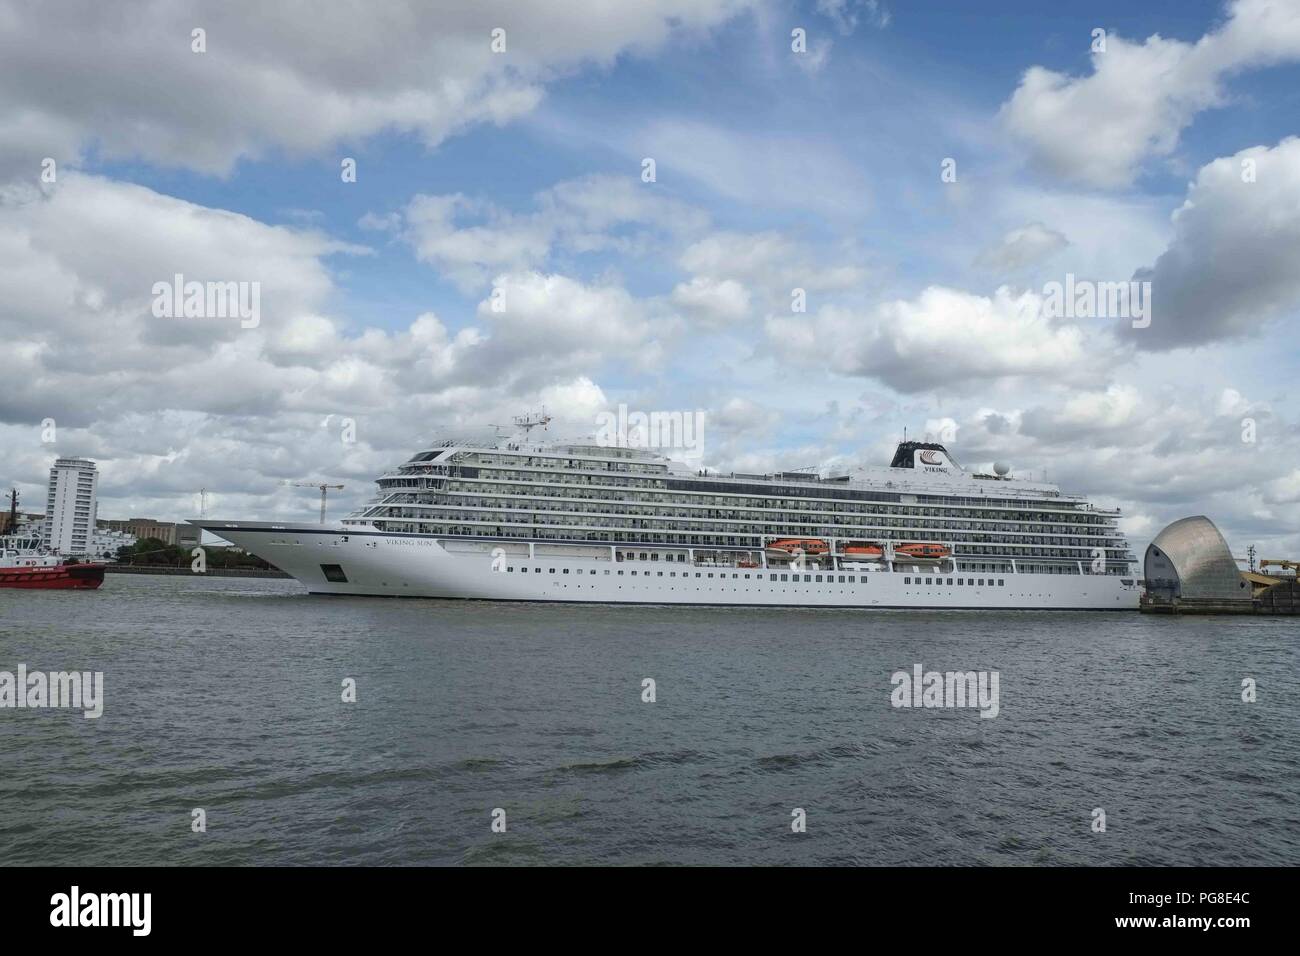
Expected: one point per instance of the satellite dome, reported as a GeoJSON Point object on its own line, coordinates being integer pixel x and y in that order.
{"type": "Point", "coordinates": [1000, 468]}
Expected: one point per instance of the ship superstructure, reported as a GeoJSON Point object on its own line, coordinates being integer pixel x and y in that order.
{"type": "Point", "coordinates": [525, 520]}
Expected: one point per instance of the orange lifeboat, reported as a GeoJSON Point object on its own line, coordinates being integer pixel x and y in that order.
{"type": "Point", "coordinates": [806, 545]}
{"type": "Point", "coordinates": [927, 552]}
{"type": "Point", "coordinates": [863, 551]}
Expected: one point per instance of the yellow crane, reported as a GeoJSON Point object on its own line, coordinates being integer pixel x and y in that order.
{"type": "Point", "coordinates": [1279, 563]}
{"type": "Point", "coordinates": [324, 489]}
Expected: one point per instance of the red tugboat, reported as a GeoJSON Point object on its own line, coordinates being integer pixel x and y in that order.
{"type": "Point", "coordinates": [25, 564]}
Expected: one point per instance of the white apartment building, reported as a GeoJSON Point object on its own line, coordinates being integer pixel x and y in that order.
{"type": "Point", "coordinates": [106, 542]}
{"type": "Point", "coordinates": [70, 506]}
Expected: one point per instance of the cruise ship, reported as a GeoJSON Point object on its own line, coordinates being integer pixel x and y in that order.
{"type": "Point", "coordinates": [521, 520]}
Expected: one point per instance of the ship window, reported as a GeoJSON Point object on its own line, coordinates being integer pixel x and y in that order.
{"type": "Point", "coordinates": [509, 569]}
{"type": "Point", "coordinates": [552, 570]}
{"type": "Point", "coordinates": [633, 574]}
{"type": "Point", "coordinates": [537, 570]}
{"type": "Point", "coordinates": [807, 577]}
{"type": "Point", "coordinates": [672, 574]}
{"type": "Point", "coordinates": [961, 581]}
{"type": "Point", "coordinates": [929, 580]}
{"type": "Point", "coordinates": [907, 580]}
{"type": "Point", "coordinates": [746, 577]}
{"type": "Point", "coordinates": [981, 582]}
{"type": "Point", "coordinates": [660, 573]}
{"type": "Point", "coordinates": [334, 572]}
{"type": "Point", "coordinates": [785, 577]}
{"type": "Point", "coordinates": [771, 577]}
{"type": "Point", "coordinates": [950, 582]}
{"type": "Point", "coordinates": [643, 555]}
{"type": "Point", "coordinates": [697, 574]}
{"type": "Point", "coordinates": [841, 581]}
{"type": "Point", "coordinates": [608, 572]}
{"type": "Point", "coordinates": [709, 575]}
{"type": "Point", "coordinates": [654, 557]}
{"type": "Point", "coordinates": [566, 570]}
{"type": "Point", "coordinates": [620, 573]}
{"type": "Point", "coordinates": [1002, 582]}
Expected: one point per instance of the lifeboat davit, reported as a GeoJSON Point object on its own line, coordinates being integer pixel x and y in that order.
{"type": "Point", "coordinates": [925, 552]}
{"type": "Point", "coordinates": [793, 545]}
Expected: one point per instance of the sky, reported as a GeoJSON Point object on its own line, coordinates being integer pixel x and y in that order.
{"type": "Point", "coordinates": [924, 172]}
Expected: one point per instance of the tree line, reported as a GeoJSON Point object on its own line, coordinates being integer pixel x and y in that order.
{"type": "Point", "coordinates": [156, 552]}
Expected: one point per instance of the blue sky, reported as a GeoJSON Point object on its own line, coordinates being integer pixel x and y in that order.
{"type": "Point", "coordinates": [774, 169]}
{"type": "Point", "coordinates": [890, 103]}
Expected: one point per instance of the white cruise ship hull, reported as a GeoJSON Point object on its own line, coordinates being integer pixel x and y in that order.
{"type": "Point", "coordinates": [350, 561]}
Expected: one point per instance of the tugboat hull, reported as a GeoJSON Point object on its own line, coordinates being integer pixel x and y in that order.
{"type": "Point", "coordinates": [60, 576]}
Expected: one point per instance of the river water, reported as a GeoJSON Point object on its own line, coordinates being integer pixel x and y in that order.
{"type": "Point", "coordinates": [226, 695]}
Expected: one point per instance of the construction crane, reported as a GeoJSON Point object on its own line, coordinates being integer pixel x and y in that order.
{"type": "Point", "coordinates": [526, 423]}
{"type": "Point", "coordinates": [1279, 563]}
{"type": "Point", "coordinates": [324, 489]}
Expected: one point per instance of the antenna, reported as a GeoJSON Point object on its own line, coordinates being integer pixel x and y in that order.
{"type": "Point", "coordinates": [203, 502]}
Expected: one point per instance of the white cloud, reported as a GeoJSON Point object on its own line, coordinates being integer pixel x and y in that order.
{"type": "Point", "coordinates": [769, 265]}
{"type": "Point", "coordinates": [1084, 414]}
{"type": "Point", "coordinates": [554, 326]}
{"type": "Point", "coordinates": [943, 339]}
{"type": "Point", "coordinates": [713, 301]}
{"type": "Point", "coordinates": [130, 83]}
{"type": "Point", "coordinates": [1231, 265]}
{"type": "Point", "coordinates": [1109, 236]}
{"type": "Point", "coordinates": [1099, 129]}
{"type": "Point", "coordinates": [738, 415]}
{"type": "Point", "coordinates": [469, 240]}
{"type": "Point", "coordinates": [1021, 247]}
{"type": "Point", "coordinates": [469, 254]}
{"type": "Point", "coordinates": [847, 14]}
{"type": "Point", "coordinates": [1161, 453]}
{"type": "Point", "coordinates": [1284, 490]}
{"type": "Point", "coordinates": [169, 405]}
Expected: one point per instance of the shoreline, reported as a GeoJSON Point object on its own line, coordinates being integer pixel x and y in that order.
{"type": "Point", "coordinates": [211, 572]}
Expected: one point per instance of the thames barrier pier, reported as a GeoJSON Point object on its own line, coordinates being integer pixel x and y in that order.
{"type": "Point", "coordinates": [1189, 569]}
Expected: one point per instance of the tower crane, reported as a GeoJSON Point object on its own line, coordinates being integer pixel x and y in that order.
{"type": "Point", "coordinates": [324, 490]}
{"type": "Point", "coordinates": [526, 423]}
